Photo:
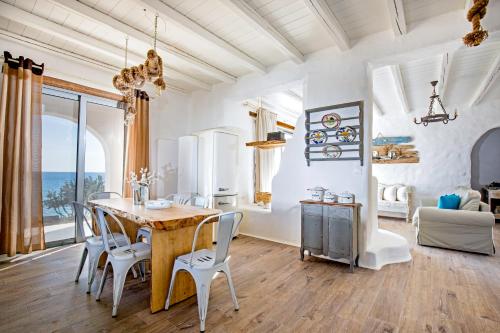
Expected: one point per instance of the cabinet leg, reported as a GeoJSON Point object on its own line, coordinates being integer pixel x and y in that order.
{"type": "Point", "coordinates": [301, 254]}
{"type": "Point", "coordinates": [351, 266]}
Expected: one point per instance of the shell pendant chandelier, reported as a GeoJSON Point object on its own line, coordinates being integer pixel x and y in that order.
{"type": "Point", "coordinates": [135, 77]}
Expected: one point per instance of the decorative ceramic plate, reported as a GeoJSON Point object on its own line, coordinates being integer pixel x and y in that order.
{"type": "Point", "coordinates": [332, 151]}
{"type": "Point", "coordinates": [318, 137]}
{"type": "Point", "coordinates": [331, 120]}
{"type": "Point", "coordinates": [346, 134]}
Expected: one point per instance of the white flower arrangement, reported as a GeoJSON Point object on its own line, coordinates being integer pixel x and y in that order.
{"type": "Point", "coordinates": [147, 178]}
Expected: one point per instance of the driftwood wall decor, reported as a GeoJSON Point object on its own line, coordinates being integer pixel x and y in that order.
{"type": "Point", "coordinates": [393, 152]}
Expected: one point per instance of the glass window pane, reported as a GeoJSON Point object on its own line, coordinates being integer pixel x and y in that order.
{"type": "Point", "coordinates": [104, 147]}
{"type": "Point", "coordinates": [59, 152]}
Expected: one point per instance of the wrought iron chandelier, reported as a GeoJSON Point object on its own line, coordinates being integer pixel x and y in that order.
{"type": "Point", "coordinates": [431, 116]}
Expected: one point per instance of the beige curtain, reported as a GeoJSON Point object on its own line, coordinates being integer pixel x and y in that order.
{"type": "Point", "coordinates": [21, 228]}
{"type": "Point", "coordinates": [265, 159]}
{"type": "Point", "coordinates": [137, 144]}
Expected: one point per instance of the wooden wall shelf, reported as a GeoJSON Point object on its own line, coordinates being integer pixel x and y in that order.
{"type": "Point", "coordinates": [267, 144]}
{"type": "Point", "coordinates": [413, 159]}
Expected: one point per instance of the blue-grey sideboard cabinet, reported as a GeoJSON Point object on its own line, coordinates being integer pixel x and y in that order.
{"type": "Point", "coordinates": [330, 229]}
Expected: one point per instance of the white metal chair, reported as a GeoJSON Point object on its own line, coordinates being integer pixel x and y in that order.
{"type": "Point", "coordinates": [180, 198]}
{"type": "Point", "coordinates": [94, 245]}
{"type": "Point", "coordinates": [102, 195]}
{"type": "Point", "coordinates": [121, 258]}
{"type": "Point", "coordinates": [204, 264]}
{"type": "Point", "coordinates": [199, 201]}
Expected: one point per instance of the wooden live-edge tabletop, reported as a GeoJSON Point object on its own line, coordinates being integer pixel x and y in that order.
{"type": "Point", "coordinates": [312, 202]}
{"type": "Point", "coordinates": [177, 216]}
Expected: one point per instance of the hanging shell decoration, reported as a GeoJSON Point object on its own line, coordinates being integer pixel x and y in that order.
{"type": "Point", "coordinates": [134, 77]}
{"type": "Point", "coordinates": [474, 15]}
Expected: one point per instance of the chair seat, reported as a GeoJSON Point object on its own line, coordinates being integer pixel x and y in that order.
{"type": "Point", "coordinates": [97, 240]}
{"type": "Point", "coordinates": [202, 259]}
{"type": "Point", "coordinates": [140, 250]}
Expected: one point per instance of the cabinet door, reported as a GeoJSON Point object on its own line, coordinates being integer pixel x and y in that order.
{"type": "Point", "coordinates": [339, 232]}
{"type": "Point", "coordinates": [225, 163]}
{"type": "Point", "coordinates": [312, 227]}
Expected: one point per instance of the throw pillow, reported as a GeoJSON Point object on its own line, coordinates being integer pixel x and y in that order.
{"type": "Point", "coordinates": [402, 194]}
{"type": "Point", "coordinates": [470, 200]}
{"type": "Point", "coordinates": [450, 201]}
{"type": "Point", "coordinates": [390, 193]}
{"type": "Point", "coordinates": [380, 194]}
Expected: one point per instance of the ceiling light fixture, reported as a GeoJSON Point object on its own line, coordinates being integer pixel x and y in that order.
{"type": "Point", "coordinates": [431, 116]}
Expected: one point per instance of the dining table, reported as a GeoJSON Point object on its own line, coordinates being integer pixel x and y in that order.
{"type": "Point", "coordinates": [172, 232]}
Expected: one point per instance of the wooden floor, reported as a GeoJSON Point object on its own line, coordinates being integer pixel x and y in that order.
{"type": "Point", "coordinates": [439, 291]}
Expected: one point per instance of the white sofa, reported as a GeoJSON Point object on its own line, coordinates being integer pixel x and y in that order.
{"type": "Point", "coordinates": [396, 200]}
{"type": "Point", "coordinates": [469, 228]}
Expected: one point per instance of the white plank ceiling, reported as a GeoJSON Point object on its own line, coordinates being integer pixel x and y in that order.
{"type": "Point", "coordinates": [205, 42]}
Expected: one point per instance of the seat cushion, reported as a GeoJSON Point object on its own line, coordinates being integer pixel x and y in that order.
{"type": "Point", "coordinates": [390, 193]}
{"type": "Point", "coordinates": [392, 206]}
{"type": "Point", "coordinates": [97, 241]}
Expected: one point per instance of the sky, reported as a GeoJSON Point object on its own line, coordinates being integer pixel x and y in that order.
{"type": "Point", "coordinates": [59, 147]}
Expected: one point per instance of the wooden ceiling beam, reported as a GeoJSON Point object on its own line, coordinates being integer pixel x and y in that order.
{"type": "Point", "coordinates": [397, 17]}
{"type": "Point", "coordinates": [189, 25]}
{"type": "Point", "coordinates": [325, 17]}
{"type": "Point", "coordinates": [445, 69]}
{"type": "Point", "coordinates": [250, 15]}
{"type": "Point", "coordinates": [395, 71]}
{"type": "Point", "coordinates": [19, 15]}
{"type": "Point", "coordinates": [82, 59]}
{"type": "Point", "coordinates": [487, 82]}
{"type": "Point", "coordinates": [102, 18]}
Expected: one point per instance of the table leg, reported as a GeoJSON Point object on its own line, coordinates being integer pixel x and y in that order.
{"type": "Point", "coordinates": [165, 247]}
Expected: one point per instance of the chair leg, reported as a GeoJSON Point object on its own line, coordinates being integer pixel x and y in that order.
{"type": "Point", "coordinates": [231, 287]}
{"type": "Point", "coordinates": [171, 287]}
{"type": "Point", "coordinates": [82, 263]}
{"type": "Point", "coordinates": [118, 283]}
{"type": "Point", "coordinates": [93, 263]}
{"type": "Point", "coordinates": [103, 281]}
{"type": "Point", "coordinates": [134, 272]}
{"type": "Point", "coordinates": [202, 295]}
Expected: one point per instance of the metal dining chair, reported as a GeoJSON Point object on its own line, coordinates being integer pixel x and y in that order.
{"type": "Point", "coordinates": [94, 245]}
{"type": "Point", "coordinates": [122, 258]}
{"type": "Point", "coordinates": [204, 264]}
{"type": "Point", "coordinates": [180, 198]}
{"type": "Point", "coordinates": [103, 195]}
{"type": "Point", "coordinates": [199, 201]}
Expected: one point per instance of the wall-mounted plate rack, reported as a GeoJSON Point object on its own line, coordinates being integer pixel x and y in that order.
{"type": "Point", "coordinates": [345, 115]}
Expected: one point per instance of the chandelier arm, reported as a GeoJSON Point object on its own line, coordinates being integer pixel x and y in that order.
{"type": "Point", "coordinates": [441, 104]}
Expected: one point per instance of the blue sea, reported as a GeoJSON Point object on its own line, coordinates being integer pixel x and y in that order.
{"type": "Point", "coordinates": [52, 181]}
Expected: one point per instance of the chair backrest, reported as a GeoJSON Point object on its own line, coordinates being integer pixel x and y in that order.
{"type": "Point", "coordinates": [103, 195]}
{"type": "Point", "coordinates": [180, 199]}
{"type": "Point", "coordinates": [199, 201]}
{"type": "Point", "coordinates": [228, 224]}
{"type": "Point", "coordinates": [81, 212]}
{"type": "Point", "coordinates": [107, 235]}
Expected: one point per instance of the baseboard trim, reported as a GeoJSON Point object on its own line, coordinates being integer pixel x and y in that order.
{"type": "Point", "coordinates": [270, 239]}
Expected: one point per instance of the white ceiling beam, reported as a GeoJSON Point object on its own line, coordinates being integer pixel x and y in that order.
{"type": "Point", "coordinates": [400, 88]}
{"type": "Point", "coordinates": [16, 14]}
{"type": "Point", "coordinates": [445, 69]}
{"type": "Point", "coordinates": [186, 23]}
{"type": "Point", "coordinates": [489, 79]}
{"type": "Point", "coordinates": [325, 17]}
{"type": "Point", "coordinates": [397, 17]}
{"type": "Point", "coordinates": [250, 15]}
{"type": "Point", "coordinates": [102, 18]}
{"type": "Point", "coordinates": [82, 59]}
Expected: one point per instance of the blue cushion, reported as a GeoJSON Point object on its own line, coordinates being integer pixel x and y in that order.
{"type": "Point", "coordinates": [450, 201]}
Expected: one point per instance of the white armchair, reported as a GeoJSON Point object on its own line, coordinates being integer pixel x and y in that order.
{"type": "Point", "coordinates": [463, 230]}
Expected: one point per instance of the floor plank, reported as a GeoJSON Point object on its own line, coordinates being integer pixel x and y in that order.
{"type": "Point", "coordinates": [438, 291]}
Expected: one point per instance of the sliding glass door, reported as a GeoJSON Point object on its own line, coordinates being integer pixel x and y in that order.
{"type": "Point", "coordinates": [82, 153]}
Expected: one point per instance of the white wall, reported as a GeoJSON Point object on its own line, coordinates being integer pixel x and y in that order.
{"type": "Point", "coordinates": [445, 150]}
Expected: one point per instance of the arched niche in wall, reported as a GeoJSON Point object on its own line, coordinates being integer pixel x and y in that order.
{"type": "Point", "coordinates": [485, 159]}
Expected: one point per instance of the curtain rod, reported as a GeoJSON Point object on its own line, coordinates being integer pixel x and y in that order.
{"type": "Point", "coordinates": [8, 58]}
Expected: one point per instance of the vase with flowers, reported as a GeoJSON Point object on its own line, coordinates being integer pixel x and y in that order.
{"type": "Point", "coordinates": [140, 186]}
